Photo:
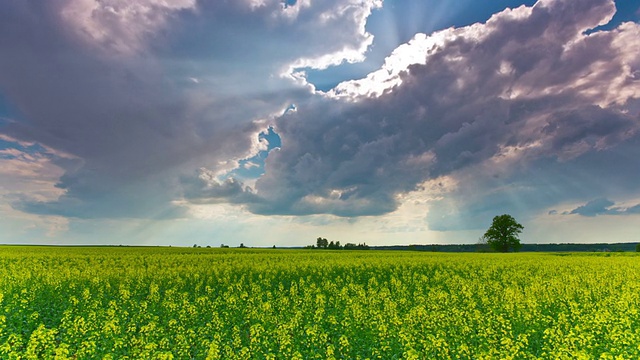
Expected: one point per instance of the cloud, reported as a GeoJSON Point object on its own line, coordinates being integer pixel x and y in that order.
{"type": "Point", "coordinates": [603, 206]}
{"type": "Point", "coordinates": [206, 188]}
{"type": "Point", "coordinates": [495, 106]}
{"type": "Point", "coordinates": [29, 172]}
{"type": "Point", "coordinates": [119, 26]}
{"type": "Point", "coordinates": [594, 207]}
{"type": "Point", "coordinates": [514, 115]}
{"type": "Point", "coordinates": [117, 89]}
{"type": "Point", "coordinates": [526, 187]}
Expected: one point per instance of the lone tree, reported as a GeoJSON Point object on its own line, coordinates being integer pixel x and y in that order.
{"type": "Point", "coordinates": [503, 233]}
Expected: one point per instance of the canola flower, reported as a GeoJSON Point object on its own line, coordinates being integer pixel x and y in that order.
{"type": "Point", "coordinates": [172, 303]}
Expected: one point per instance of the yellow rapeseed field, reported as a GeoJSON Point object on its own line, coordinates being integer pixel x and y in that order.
{"type": "Point", "coordinates": [183, 303]}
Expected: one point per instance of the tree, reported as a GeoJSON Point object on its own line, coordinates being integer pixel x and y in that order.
{"type": "Point", "coordinates": [322, 243]}
{"type": "Point", "coordinates": [503, 233]}
{"type": "Point", "coordinates": [352, 246]}
{"type": "Point", "coordinates": [638, 247]}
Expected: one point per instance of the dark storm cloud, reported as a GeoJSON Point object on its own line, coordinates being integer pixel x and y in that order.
{"type": "Point", "coordinates": [530, 186]}
{"type": "Point", "coordinates": [144, 92]}
{"type": "Point", "coordinates": [594, 207]}
{"type": "Point", "coordinates": [490, 106]}
{"type": "Point", "coordinates": [603, 206]}
{"type": "Point", "coordinates": [515, 115]}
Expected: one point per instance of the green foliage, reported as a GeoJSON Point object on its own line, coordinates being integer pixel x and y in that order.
{"type": "Point", "coordinates": [182, 303]}
{"type": "Point", "coordinates": [322, 243]}
{"type": "Point", "coordinates": [502, 235]}
{"type": "Point", "coordinates": [638, 247]}
{"type": "Point", "coordinates": [352, 246]}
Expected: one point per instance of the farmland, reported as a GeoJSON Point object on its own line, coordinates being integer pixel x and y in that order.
{"type": "Point", "coordinates": [181, 303]}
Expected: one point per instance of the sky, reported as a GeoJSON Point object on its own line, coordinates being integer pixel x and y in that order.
{"type": "Point", "coordinates": [270, 122]}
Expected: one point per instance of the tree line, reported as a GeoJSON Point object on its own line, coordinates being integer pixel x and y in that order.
{"type": "Point", "coordinates": [323, 243]}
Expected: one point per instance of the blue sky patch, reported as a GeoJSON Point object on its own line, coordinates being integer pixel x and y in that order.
{"type": "Point", "coordinates": [253, 167]}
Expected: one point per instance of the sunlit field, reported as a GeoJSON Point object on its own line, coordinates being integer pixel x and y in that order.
{"type": "Point", "coordinates": [182, 303]}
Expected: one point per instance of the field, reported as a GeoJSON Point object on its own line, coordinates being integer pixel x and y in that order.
{"type": "Point", "coordinates": [182, 303]}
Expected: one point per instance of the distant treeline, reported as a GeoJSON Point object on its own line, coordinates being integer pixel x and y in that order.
{"type": "Point", "coordinates": [525, 247]}
{"type": "Point", "coordinates": [322, 243]}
